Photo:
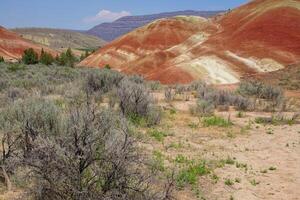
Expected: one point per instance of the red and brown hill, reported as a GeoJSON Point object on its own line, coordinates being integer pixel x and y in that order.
{"type": "Point", "coordinates": [12, 46]}
{"type": "Point", "coordinates": [261, 36]}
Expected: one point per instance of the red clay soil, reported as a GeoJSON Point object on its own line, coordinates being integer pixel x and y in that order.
{"type": "Point", "coordinates": [260, 29]}
{"type": "Point", "coordinates": [12, 46]}
{"type": "Point", "coordinates": [154, 67]}
{"type": "Point", "coordinates": [274, 33]}
{"type": "Point", "coordinates": [157, 36]}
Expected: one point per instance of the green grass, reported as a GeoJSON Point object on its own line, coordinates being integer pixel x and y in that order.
{"type": "Point", "coordinates": [137, 120]}
{"type": "Point", "coordinates": [228, 182]}
{"type": "Point", "coordinates": [180, 159]}
{"type": "Point", "coordinates": [237, 180]}
{"type": "Point", "coordinates": [157, 161]}
{"type": "Point", "coordinates": [190, 174]}
{"type": "Point", "coordinates": [216, 121]}
{"type": "Point", "coordinates": [193, 125]}
{"type": "Point", "coordinates": [264, 171]}
{"type": "Point", "coordinates": [254, 182]}
{"type": "Point", "coordinates": [176, 145]}
{"type": "Point", "coordinates": [240, 114]}
{"type": "Point", "coordinates": [157, 135]}
{"type": "Point", "coordinates": [215, 178]}
{"type": "Point", "coordinates": [274, 121]}
{"type": "Point", "coordinates": [241, 165]}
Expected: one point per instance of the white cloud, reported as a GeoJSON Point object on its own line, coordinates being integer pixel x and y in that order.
{"type": "Point", "coordinates": [106, 16]}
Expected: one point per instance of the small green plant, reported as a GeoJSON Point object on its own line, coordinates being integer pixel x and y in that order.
{"type": "Point", "coordinates": [137, 120]}
{"type": "Point", "coordinates": [216, 121]}
{"type": "Point", "coordinates": [157, 135]}
{"type": "Point", "coordinates": [254, 182]}
{"type": "Point", "coordinates": [270, 131]}
{"type": "Point", "coordinates": [215, 178]}
{"type": "Point", "coordinates": [240, 114]}
{"type": "Point", "coordinates": [272, 168]}
{"type": "Point", "coordinates": [190, 174]}
{"type": "Point", "coordinates": [193, 125]}
{"type": "Point", "coordinates": [264, 171]}
{"type": "Point", "coordinates": [228, 182]}
{"type": "Point", "coordinates": [241, 166]}
{"type": "Point", "coordinates": [176, 145]}
{"type": "Point", "coordinates": [237, 180]}
{"type": "Point", "coordinates": [229, 161]}
{"type": "Point", "coordinates": [180, 159]}
{"type": "Point", "coordinates": [107, 66]}
{"type": "Point", "coordinates": [157, 161]}
{"type": "Point", "coordinates": [173, 111]}
{"type": "Point", "coordinates": [230, 134]}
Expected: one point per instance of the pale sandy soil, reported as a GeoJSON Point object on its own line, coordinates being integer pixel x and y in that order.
{"type": "Point", "coordinates": [260, 151]}
{"type": "Point", "coordinates": [247, 143]}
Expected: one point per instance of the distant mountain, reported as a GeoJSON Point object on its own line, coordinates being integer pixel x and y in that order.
{"type": "Point", "coordinates": [111, 31]}
{"type": "Point", "coordinates": [60, 39]}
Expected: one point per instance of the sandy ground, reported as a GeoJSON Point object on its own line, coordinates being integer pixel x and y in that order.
{"type": "Point", "coordinates": [271, 155]}
{"type": "Point", "coordinates": [260, 151]}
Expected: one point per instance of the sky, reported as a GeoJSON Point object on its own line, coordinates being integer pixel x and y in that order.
{"type": "Point", "coordinates": [84, 14]}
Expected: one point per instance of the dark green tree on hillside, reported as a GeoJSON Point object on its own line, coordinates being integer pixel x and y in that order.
{"type": "Point", "coordinates": [67, 58]}
{"type": "Point", "coordinates": [1, 59]}
{"type": "Point", "coordinates": [46, 58]}
{"type": "Point", "coordinates": [30, 57]}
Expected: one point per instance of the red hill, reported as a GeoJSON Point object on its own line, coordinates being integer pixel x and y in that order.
{"type": "Point", "coordinates": [261, 36]}
{"type": "Point", "coordinates": [12, 46]}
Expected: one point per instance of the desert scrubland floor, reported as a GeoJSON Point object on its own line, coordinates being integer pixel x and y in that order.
{"type": "Point", "coordinates": [229, 154]}
{"type": "Point", "coordinates": [252, 161]}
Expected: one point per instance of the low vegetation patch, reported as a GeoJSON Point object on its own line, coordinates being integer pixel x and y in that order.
{"type": "Point", "coordinates": [157, 135]}
{"type": "Point", "coordinates": [190, 174]}
{"type": "Point", "coordinates": [216, 121]}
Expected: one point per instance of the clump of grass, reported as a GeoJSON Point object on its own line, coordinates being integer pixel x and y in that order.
{"type": "Point", "coordinates": [241, 166]}
{"type": "Point", "coordinates": [157, 161]}
{"type": "Point", "coordinates": [275, 120]}
{"type": "Point", "coordinates": [190, 174]}
{"type": "Point", "coordinates": [237, 180]}
{"type": "Point", "coordinates": [230, 134]}
{"type": "Point", "coordinates": [270, 131]}
{"type": "Point", "coordinates": [176, 145]}
{"type": "Point", "coordinates": [272, 168]}
{"type": "Point", "coordinates": [229, 161]}
{"type": "Point", "coordinates": [193, 125]}
{"type": "Point", "coordinates": [228, 182]}
{"type": "Point", "coordinates": [215, 178]}
{"type": "Point", "coordinates": [173, 111]}
{"type": "Point", "coordinates": [254, 182]}
{"type": "Point", "coordinates": [264, 171]}
{"type": "Point", "coordinates": [216, 121]}
{"type": "Point", "coordinates": [157, 135]}
{"type": "Point", "coordinates": [240, 114]}
{"type": "Point", "coordinates": [180, 159]}
{"type": "Point", "coordinates": [137, 120]}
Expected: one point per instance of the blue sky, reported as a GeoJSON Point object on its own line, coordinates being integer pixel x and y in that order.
{"type": "Point", "coordinates": [84, 14]}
